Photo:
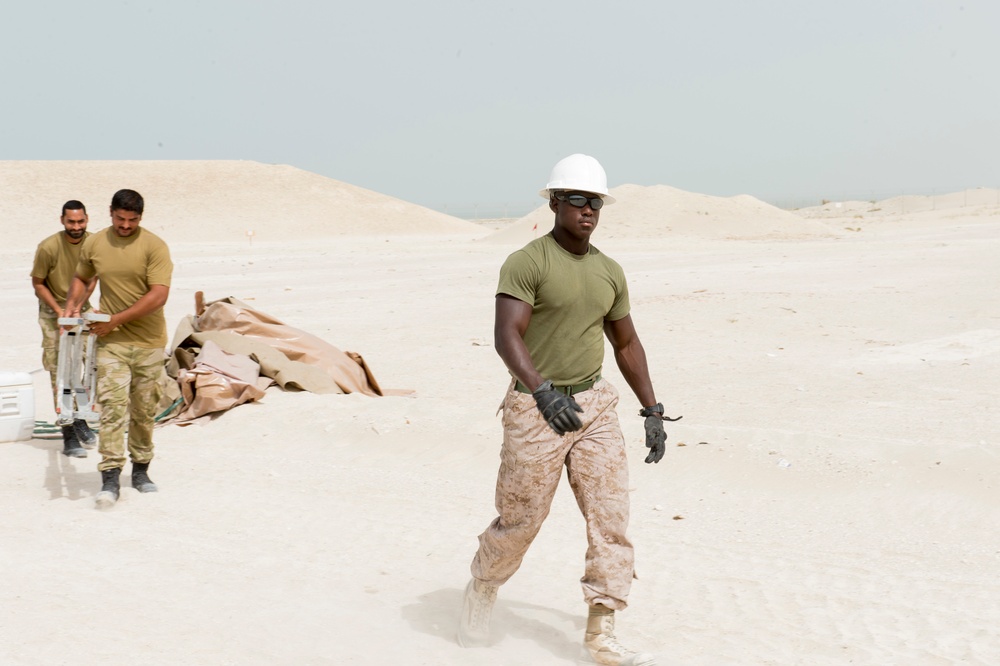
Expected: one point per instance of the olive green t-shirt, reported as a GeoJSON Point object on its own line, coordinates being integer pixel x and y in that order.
{"type": "Point", "coordinates": [126, 267]}
{"type": "Point", "coordinates": [55, 262]}
{"type": "Point", "coordinates": [571, 296]}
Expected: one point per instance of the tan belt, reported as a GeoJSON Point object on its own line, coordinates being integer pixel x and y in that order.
{"type": "Point", "coordinates": [568, 390]}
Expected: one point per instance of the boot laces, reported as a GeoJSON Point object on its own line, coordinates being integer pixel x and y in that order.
{"type": "Point", "coordinates": [604, 647]}
{"type": "Point", "coordinates": [609, 644]}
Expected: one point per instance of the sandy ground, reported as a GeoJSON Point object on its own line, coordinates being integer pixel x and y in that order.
{"type": "Point", "coordinates": [830, 497]}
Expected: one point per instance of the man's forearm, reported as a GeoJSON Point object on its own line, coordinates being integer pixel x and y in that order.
{"type": "Point", "coordinates": [515, 356]}
{"type": "Point", "coordinates": [151, 301]}
{"type": "Point", "coordinates": [90, 289]}
{"type": "Point", "coordinates": [45, 296]}
{"type": "Point", "coordinates": [75, 297]}
{"type": "Point", "coordinates": [631, 360]}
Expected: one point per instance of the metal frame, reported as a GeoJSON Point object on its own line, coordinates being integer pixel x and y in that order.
{"type": "Point", "coordinates": [76, 378]}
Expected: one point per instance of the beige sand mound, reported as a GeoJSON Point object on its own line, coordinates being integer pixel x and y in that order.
{"type": "Point", "coordinates": [966, 202]}
{"type": "Point", "coordinates": [662, 210]}
{"type": "Point", "coordinates": [208, 201]}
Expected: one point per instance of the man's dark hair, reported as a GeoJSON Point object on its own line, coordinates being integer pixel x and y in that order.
{"type": "Point", "coordinates": [129, 200]}
{"type": "Point", "coordinates": [73, 204]}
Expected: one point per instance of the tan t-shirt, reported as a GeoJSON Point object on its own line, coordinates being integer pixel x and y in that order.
{"type": "Point", "coordinates": [55, 262]}
{"type": "Point", "coordinates": [571, 298]}
{"type": "Point", "coordinates": [126, 267]}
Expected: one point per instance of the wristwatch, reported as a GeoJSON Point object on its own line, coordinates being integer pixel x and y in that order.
{"type": "Point", "coordinates": [649, 411]}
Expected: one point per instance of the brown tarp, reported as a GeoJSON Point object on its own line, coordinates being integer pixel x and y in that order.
{"type": "Point", "coordinates": [292, 358]}
{"type": "Point", "coordinates": [219, 381]}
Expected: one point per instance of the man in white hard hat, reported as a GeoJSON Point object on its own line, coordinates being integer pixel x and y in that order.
{"type": "Point", "coordinates": [557, 298]}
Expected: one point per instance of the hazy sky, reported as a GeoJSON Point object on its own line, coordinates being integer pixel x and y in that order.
{"type": "Point", "coordinates": [462, 102]}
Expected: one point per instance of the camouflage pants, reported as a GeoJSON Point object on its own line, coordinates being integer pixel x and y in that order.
{"type": "Point", "coordinates": [128, 391]}
{"type": "Point", "coordinates": [50, 350]}
{"type": "Point", "coordinates": [531, 463]}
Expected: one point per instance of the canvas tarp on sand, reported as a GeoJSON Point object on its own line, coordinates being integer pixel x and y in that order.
{"type": "Point", "coordinates": [292, 358]}
{"type": "Point", "coordinates": [217, 382]}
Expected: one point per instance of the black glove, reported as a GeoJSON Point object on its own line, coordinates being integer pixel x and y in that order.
{"type": "Point", "coordinates": [656, 437]}
{"type": "Point", "coordinates": [557, 408]}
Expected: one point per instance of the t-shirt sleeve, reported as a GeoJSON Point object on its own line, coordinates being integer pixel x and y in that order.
{"type": "Point", "coordinates": [85, 264]}
{"type": "Point", "coordinates": [160, 268]}
{"type": "Point", "coordinates": [519, 277]}
{"type": "Point", "coordinates": [42, 265]}
{"type": "Point", "coordinates": [621, 307]}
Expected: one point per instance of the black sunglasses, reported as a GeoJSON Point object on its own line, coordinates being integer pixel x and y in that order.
{"type": "Point", "coordinates": [580, 201]}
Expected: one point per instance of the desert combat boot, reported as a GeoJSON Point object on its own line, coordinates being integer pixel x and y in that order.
{"type": "Point", "coordinates": [71, 445]}
{"type": "Point", "coordinates": [83, 433]}
{"type": "Point", "coordinates": [111, 488]}
{"type": "Point", "coordinates": [140, 478]}
{"type": "Point", "coordinates": [477, 610]}
{"type": "Point", "coordinates": [601, 647]}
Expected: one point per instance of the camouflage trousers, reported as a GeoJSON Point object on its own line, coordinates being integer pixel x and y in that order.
{"type": "Point", "coordinates": [128, 391]}
{"type": "Point", "coordinates": [531, 463]}
{"type": "Point", "coordinates": [50, 351]}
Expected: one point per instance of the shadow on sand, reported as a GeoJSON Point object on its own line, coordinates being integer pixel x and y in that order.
{"type": "Point", "coordinates": [72, 478]}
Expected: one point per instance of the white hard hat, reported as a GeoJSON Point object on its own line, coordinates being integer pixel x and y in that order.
{"type": "Point", "coordinates": [578, 172]}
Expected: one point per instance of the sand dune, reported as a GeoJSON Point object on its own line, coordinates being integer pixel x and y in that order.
{"type": "Point", "coordinates": [660, 210]}
{"type": "Point", "coordinates": [209, 201]}
{"type": "Point", "coordinates": [965, 203]}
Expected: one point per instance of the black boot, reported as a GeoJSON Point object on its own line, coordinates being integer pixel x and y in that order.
{"type": "Point", "coordinates": [140, 478]}
{"type": "Point", "coordinates": [84, 434]}
{"type": "Point", "coordinates": [71, 445]}
{"type": "Point", "coordinates": [111, 488]}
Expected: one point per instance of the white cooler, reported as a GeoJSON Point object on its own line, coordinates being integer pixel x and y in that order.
{"type": "Point", "coordinates": [17, 406]}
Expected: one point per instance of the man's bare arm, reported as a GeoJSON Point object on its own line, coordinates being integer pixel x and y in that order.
{"type": "Point", "coordinates": [45, 294]}
{"type": "Point", "coordinates": [90, 288]}
{"type": "Point", "coordinates": [631, 358]}
{"type": "Point", "coordinates": [152, 300]}
{"type": "Point", "coordinates": [512, 317]}
{"type": "Point", "coordinates": [79, 289]}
